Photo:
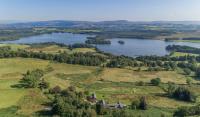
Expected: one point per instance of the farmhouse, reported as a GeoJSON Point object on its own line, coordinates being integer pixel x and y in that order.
{"type": "Point", "coordinates": [92, 98]}
{"type": "Point", "coordinates": [118, 105]}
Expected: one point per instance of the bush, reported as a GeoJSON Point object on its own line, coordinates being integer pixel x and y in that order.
{"type": "Point", "coordinates": [44, 84]}
{"type": "Point", "coordinates": [55, 90]}
{"type": "Point", "coordinates": [187, 111]}
{"type": "Point", "coordinates": [198, 72]}
{"type": "Point", "coordinates": [140, 83]}
{"type": "Point", "coordinates": [156, 81]}
{"type": "Point", "coordinates": [184, 94]}
{"type": "Point", "coordinates": [72, 88]}
{"type": "Point", "coordinates": [143, 103]}
{"type": "Point", "coordinates": [187, 71]}
{"type": "Point", "coordinates": [32, 79]}
{"type": "Point", "coordinates": [135, 104]}
{"type": "Point", "coordinates": [189, 81]}
{"type": "Point", "coordinates": [181, 112]}
{"type": "Point", "coordinates": [171, 88]}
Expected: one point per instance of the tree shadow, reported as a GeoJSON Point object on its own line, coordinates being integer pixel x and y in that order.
{"type": "Point", "coordinates": [196, 78]}
{"type": "Point", "coordinates": [46, 112]}
{"type": "Point", "coordinates": [21, 84]}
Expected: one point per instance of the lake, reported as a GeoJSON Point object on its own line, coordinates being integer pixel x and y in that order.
{"type": "Point", "coordinates": [131, 47]}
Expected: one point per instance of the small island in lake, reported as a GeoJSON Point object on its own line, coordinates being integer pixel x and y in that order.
{"type": "Point", "coordinates": [121, 42]}
{"type": "Point", "coordinates": [96, 40]}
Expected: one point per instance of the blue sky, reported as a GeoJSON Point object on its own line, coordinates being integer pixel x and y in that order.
{"type": "Point", "coordinates": [98, 10]}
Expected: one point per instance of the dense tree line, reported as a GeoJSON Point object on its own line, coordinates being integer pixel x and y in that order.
{"type": "Point", "coordinates": [168, 58]}
{"type": "Point", "coordinates": [80, 45]}
{"type": "Point", "coordinates": [96, 40]}
{"type": "Point", "coordinates": [76, 58]}
{"type": "Point", "coordinates": [39, 45]}
{"type": "Point", "coordinates": [191, 38]}
{"type": "Point", "coordinates": [153, 63]}
{"type": "Point", "coordinates": [185, 49]}
{"type": "Point", "coordinates": [157, 65]}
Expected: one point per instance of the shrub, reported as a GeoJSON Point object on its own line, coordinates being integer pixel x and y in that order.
{"type": "Point", "coordinates": [156, 81]}
{"type": "Point", "coordinates": [184, 94]}
{"type": "Point", "coordinates": [181, 112]}
{"type": "Point", "coordinates": [171, 88]}
{"type": "Point", "coordinates": [72, 88]}
{"type": "Point", "coordinates": [135, 104]}
{"type": "Point", "coordinates": [140, 83]}
{"type": "Point", "coordinates": [187, 71]}
{"type": "Point", "coordinates": [143, 103]}
{"type": "Point", "coordinates": [55, 90]}
{"type": "Point", "coordinates": [44, 84]}
{"type": "Point", "coordinates": [187, 111]}
{"type": "Point", "coordinates": [32, 79]}
{"type": "Point", "coordinates": [189, 81]}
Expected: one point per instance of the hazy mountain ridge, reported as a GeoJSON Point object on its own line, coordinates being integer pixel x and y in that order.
{"type": "Point", "coordinates": [89, 24]}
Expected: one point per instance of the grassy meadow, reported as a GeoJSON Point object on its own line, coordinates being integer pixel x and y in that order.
{"type": "Point", "coordinates": [110, 84]}
{"type": "Point", "coordinates": [52, 49]}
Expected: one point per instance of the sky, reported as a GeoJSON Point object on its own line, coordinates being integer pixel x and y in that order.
{"type": "Point", "coordinates": [100, 10]}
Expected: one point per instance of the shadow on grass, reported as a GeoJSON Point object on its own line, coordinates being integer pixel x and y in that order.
{"type": "Point", "coordinates": [46, 112]}
{"type": "Point", "coordinates": [10, 112]}
{"type": "Point", "coordinates": [21, 84]}
{"type": "Point", "coordinates": [196, 78]}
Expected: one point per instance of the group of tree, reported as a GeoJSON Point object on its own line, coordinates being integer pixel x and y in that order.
{"type": "Point", "coordinates": [180, 93]}
{"type": "Point", "coordinates": [97, 40]}
{"type": "Point", "coordinates": [33, 79]}
{"type": "Point", "coordinates": [45, 44]}
{"type": "Point", "coordinates": [187, 111]}
{"type": "Point", "coordinates": [89, 59]}
{"type": "Point", "coordinates": [70, 103]}
{"type": "Point", "coordinates": [121, 42]}
{"type": "Point", "coordinates": [189, 67]}
{"type": "Point", "coordinates": [157, 65]}
{"type": "Point", "coordinates": [153, 63]}
{"type": "Point", "coordinates": [185, 49]}
{"type": "Point", "coordinates": [156, 81]}
{"type": "Point", "coordinates": [139, 104]}
{"type": "Point", "coordinates": [80, 45]}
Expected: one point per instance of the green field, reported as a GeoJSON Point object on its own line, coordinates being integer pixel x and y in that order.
{"type": "Point", "coordinates": [182, 35]}
{"type": "Point", "coordinates": [111, 84]}
{"type": "Point", "coordinates": [52, 49]}
{"type": "Point", "coordinates": [175, 54]}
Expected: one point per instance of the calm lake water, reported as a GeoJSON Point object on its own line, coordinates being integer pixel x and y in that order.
{"type": "Point", "coordinates": [132, 47]}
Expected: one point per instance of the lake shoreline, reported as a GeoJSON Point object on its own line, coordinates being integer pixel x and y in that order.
{"type": "Point", "coordinates": [131, 47]}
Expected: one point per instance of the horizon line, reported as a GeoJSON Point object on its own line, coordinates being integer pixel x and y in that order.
{"type": "Point", "coordinates": [29, 21]}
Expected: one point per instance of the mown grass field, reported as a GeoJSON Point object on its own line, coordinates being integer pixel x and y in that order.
{"type": "Point", "coordinates": [52, 49]}
{"type": "Point", "coordinates": [175, 54]}
{"type": "Point", "coordinates": [111, 84]}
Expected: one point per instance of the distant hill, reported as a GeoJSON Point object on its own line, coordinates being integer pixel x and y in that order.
{"type": "Point", "coordinates": [88, 24]}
